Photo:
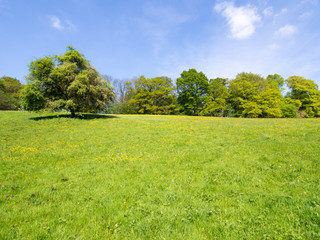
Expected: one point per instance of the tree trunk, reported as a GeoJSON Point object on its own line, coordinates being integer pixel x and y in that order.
{"type": "Point", "coordinates": [222, 112]}
{"type": "Point", "coordinates": [73, 113]}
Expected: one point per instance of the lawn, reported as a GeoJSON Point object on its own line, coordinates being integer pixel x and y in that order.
{"type": "Point", "coordinates": [158, 177]}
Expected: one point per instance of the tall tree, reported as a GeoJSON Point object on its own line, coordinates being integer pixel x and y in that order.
{"type": "Point", "coordinates": [65, 82]}
{"type": "Point", "coordinates": [192, 88]}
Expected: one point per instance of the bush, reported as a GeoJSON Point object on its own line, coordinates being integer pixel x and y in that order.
{"type": "Point", "coordinates": [289, 110]}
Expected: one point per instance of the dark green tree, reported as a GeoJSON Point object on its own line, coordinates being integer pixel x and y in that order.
{"type": "Point", "coordinates": [65, 82]}
{"type": "Point", "coordinates": [192, 88]}
{"type": "Point", "coordinates": [10, 90]}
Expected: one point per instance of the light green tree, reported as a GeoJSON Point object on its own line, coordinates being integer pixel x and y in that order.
{"type": "Point", "coordinates": [216, 98]}
{"type": "Point", "coordinates": [65, 82]}
{"type": "Point", "coordinates": [253, 96]}
{"type": "Point", "coordinates": [307, 92]}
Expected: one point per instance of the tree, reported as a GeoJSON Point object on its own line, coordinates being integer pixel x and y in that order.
{"type": "Point", "coordinates": [275, 79]}
{"type": "Point", "coordinates": [153, 96]}
{"type": "Point", "coordinates": [10, 90]}
{"type": "Point", "coordinates": [65, 82]}
{"type": "Point", "coordinates": [253, 96]}
{"type": "Point", "coordinates": [306, 91]}
{"type": "Point", "coordinates": [216, 98]}
{"type": "Point", "coordinates": [192, 88]}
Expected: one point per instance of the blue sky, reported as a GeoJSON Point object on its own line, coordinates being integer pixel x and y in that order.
{"type": "Point", "coordinates": [126, 39]}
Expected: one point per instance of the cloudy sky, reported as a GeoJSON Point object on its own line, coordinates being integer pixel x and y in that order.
{"type": "Point", "coordinates": [129, 38]}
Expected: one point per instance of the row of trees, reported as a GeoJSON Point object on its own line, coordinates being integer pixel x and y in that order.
{"type": "Point", "coordinates": [248, 95]}
{"type": "Point", "coordinates": [69, 82]}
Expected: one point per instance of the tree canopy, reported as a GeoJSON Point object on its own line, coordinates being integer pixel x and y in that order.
{"type": "Point", "coordinates": [152, 96]}
{"type": "Point", "coordinates": [216, 98]}
{"type": "Point", "coordinates": [307, 93]}
{"type": "Point", "coordinates": [192, 88]}
{"type": "Point", "coordinates": [9, 93]}
{"type": "Point", "coordinates": [65, 82]}
{"type": "Point", "coordinates": [253, 96]}
{"type": "Point", "coordinates": [69, 82]}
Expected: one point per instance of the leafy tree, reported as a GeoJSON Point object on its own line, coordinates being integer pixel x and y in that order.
{"type": "Point", "coordinates": [152, 96]}
{"type": "Point", "coordinates": [216, 98]}
{"type": "Point", "coordinates": [253, 96]}
{"type": "Point", "coordinates": [270, 101]}
{"type": "Point", "coordinates": [5, 101]}
{"type": "Point", "coordinates": [276, 79]}
{"type": "Point", "coordinates": [13, 86]}
{"type": "Point", "coordinates": [65, 82]}
{"type": "Point", "coordinates": [306, 91]}
{"type": "Point", "coordinates": [10, 90]}
{"type": "Point", "coordinates": [192, 88]}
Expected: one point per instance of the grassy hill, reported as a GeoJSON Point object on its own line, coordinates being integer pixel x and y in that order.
{"type": "Point", "coordinates": [158, 177]}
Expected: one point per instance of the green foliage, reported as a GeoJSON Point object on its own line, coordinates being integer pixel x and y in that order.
{"type": "Point", "coordinates": [9, 93]}
{"type": "Point", "coordinates": [253, 96]}
{"type": "Point", "coordinates": [216, 98]}
{"type": "Point", "coordinates": [306, 91]}
{"type": "Point", "coordinates": [192, 88]}
{"type": "Point", "coordinates": [276, 79]}
{"type": "Point", "coordinates": [290, 107]}
{"type": "Point", "coordinates": [32, 97]}
{"type": "Point", "coordinates": [6, 101]}
{"type": "Point", "coordinates": [152, 96]}
{"type": "Point", "coordinates": [158, 177]}
{"type": "Point", "coordinates": [66, 82]}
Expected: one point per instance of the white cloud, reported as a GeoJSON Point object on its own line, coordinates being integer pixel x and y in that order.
{"type": "Point", "coordinates": [70, 25]}
{"type": "Point", "coordinates": [57, 24]}
{"type": "Point", "coordinates": [241, 20]}
{"type": "Point", "coordinates": [305, 15]}
{"type": "Point", "coordinates": [286, 31]}
{"type": "Point", "coordinates": [268, 11]}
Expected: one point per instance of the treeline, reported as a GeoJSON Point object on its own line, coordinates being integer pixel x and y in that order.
{"type": "Point", "coordinates": [247, 95]}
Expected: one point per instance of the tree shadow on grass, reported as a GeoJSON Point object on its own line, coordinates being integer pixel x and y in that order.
{"type": "Point", "coordinates": [83, 116]}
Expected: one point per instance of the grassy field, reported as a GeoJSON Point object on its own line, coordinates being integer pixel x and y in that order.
{"type": "Point", "coordinates": [158, 177]}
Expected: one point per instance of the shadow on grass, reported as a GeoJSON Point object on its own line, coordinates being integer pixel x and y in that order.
{"type": "Point", "coordinates": [84, 116]}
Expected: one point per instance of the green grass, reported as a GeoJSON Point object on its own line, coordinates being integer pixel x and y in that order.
{"type": "Point", "coordinates": [158, 177]}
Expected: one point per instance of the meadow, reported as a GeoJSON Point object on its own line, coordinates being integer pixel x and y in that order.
{"type": "Point", "coordinates": [158, 177]}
